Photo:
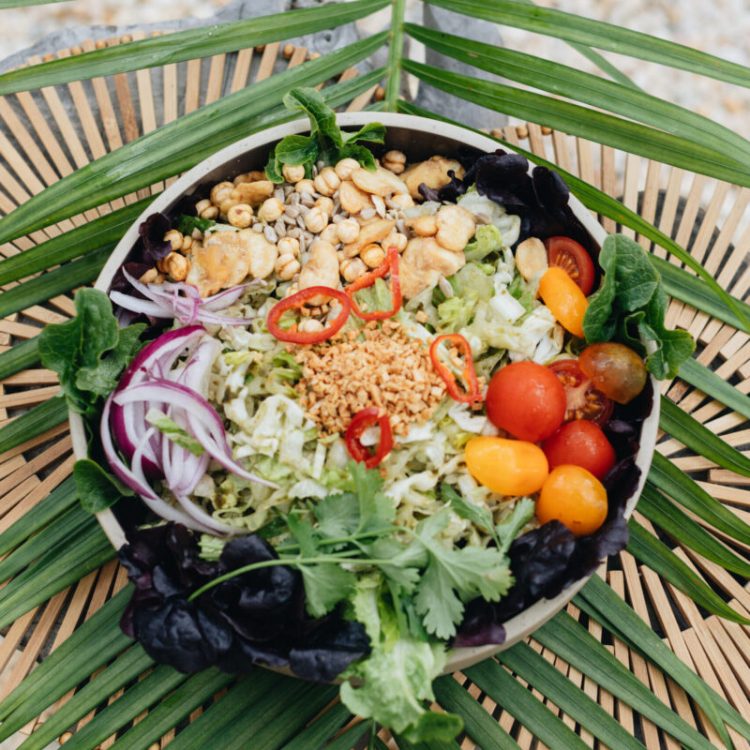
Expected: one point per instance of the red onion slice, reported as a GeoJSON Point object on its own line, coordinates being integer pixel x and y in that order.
{"type": "Point", "coordinates": [205, 422]}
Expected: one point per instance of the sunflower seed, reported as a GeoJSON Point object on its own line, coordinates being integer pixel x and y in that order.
{"type": "Point", "coordinates": [258, 228]}
{"type": "Point", "coordinates": [270, 234]}
{"type": "Point", "coordinates": [401, 226]}
{"type": "Point", "coordinates": [294, 199]}
{"type": "Point", "coordinates": [367, 213]}
{"type": "Point", "coordinates": [292, 212]}
{"type": "Point", "coordinates": [280, 228]}
{"type": "Point", "coordinates": [307, 200]}
{"type": "Point", "coordinates": [445, 287]}
{"type": "Point", "coordinates": [279, 194]}
{"type": "Point", "coordinates": [294, 232]}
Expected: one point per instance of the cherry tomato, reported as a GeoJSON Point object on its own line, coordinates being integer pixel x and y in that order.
{"type": "Point", "coordinates": [507, 467]}
{"type": "Point", "coordinates": [583, 401]}
{"type": "Point", "coordinates": [575, 498]}
{"type": "Point", "coordinates": [614, 369]}
{"type": "Point", "coordinates": [574, 259]}
{"type": "Point", "coordinates": [564, 299]}
{"type": "Point", "coordinates": [526, 400]}
{"type": "Point", "coordinates": [581, 443]}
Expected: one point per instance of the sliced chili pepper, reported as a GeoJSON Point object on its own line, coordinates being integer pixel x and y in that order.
{"type": "Point", "coordinates": [469, 394]}
{"type": "Point", "coordinates": [294, 302]}
{"type": "Point", "coordinates": [362, 420]}
{"type": "Point", "coordinates": [389, 264]}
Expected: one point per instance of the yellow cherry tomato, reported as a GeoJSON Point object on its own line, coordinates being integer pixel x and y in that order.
{"type": "Point", "coordinates": [564, 299]}
{"type": "Point", "coordinates": [575, 498]}
{"type": "Point", "coordinates": [508, 467]}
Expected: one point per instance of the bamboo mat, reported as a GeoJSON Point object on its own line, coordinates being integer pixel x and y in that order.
{"type": "Point", "coordinates": [47, 134]}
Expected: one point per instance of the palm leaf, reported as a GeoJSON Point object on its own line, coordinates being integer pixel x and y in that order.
{"type": "Point", "coordinates": [6, 4]}
{"type": "Point", "coordinates": [19, 357]}
{"type": "Point", "coordinates": [562, 80]}
{"type": "Point", "coordinates": [103, 232]}
{"type": "Point", "coordinates": [654, 553]}
{"type": "Point", "coordinates": [63, 279]}
{"type": "Point", "coordinates": [572, 642]}
{"type": "Point", "coordinates": [711, 384]}
{"type": "Point", "coordinates": [33, 423]}
{"type": "Point", "coordinates": [600, 602]}
{"type": "Point", "coordinates": [682, 489]}
{"type": "Point", "coordinates": [507, 692]}
{"type": "Point", "coordinates": [187, 45]}
{"type": "Point", "coordinates": [694, 435]}
{"type": "Point", "coordinates": [581, 30]}
{"type": "Point", "coordinates": [586, 123]}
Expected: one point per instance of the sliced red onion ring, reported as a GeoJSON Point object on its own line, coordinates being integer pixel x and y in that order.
{"type": "Point", "coordinates": [180, 301]}
{"type": "Point", "coordinates": [205, 422]}
{"type": "Point", "coordinates": [128, 425]}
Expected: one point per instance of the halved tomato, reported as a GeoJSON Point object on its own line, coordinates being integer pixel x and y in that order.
{"type": "Point", "coordinates": [574, 259]}
{"type": "Point", "coordinates": [583, 401]}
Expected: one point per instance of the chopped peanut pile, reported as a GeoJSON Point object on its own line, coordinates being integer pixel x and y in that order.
{"type": "Point", "coordinates": [379, 367]}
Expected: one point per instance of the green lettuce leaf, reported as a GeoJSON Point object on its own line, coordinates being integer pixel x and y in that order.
{"type": "Point", "coordinates": [631, 305]}
{"type": "Point", "coordinates": [393, 682]}
{"type": "Point", "coordinates": [97, 489]}
{"type": "Point", "coordinates": [326, 142]}
{"type": "Point", "coordinates": [90, 351]}
{"type": "Point", "coordinates": [488, 239]}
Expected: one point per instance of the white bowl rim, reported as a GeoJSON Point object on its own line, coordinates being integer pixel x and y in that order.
{"type": "Point", "coordinates": [521, 625]}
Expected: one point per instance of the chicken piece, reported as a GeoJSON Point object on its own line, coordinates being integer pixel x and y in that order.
{"type": "Point", "coordinates": [227, 258]}
{"type": "Point", "coordinates": [433, 173]}
{"type": "Point", "coordinates": [455, 227]}
{"type": "Point", "coordinates": [424, 261]}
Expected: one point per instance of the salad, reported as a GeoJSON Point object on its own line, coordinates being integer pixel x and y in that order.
{"type": "Point", "coordinates": [355, 411]}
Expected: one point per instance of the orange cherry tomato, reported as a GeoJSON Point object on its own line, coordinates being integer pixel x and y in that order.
{"type": "Point", "coordinates": [574, 259]}
{"type": "Point", "coordinates": [581, 443]}
{"type": "Point", "coordinates": [564, 299]}
{"type": "Point", "coordinates": [527, 400]}
{"type": "Point", "coordinates": [615, 370]}
{"type": "Point", "coordinates": [575, 498]}
{"type": "Point", "coordinates": [507, 467]}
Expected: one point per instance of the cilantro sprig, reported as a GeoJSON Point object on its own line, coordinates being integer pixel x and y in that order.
{"type": "Point", "coordinates": [326, 142]}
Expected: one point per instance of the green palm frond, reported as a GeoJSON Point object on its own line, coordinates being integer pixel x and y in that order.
{"type": "Point", "coordinates": [121, 697]}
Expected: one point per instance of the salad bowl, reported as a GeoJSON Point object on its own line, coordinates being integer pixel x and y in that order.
{"type": "Point", "coordinates": [420, 138]}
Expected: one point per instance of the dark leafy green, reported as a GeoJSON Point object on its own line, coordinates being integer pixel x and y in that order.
{"type": "Point", "coordinates": [90, 351]}
{"type": "Point", "coordinates": [326, 142]}
{"type": "Point", "coordinates": [631, 304]}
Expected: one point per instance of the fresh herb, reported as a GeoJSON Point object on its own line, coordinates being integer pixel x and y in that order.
{"type": "Point", "coordinates": [326, 142]}
{"type": "Point", "coordinates": [97, 490]}
{"type": "Point", "coordinates": [90, 351]}
{"type": "Point", "coordinates": [510, 528]}
{"type": "Point", "coordinates": [631, 305]}
{"type": "Point", "coordinates": [188, 224]}
{"type": "Point", "coordinates": [455, 575]}
{"type": "Point", "coordinates": [393, 682]}
{"type": "Point", "coordinates": [172, 431]}
{"type": "Point", "coordinates": [479, 515]}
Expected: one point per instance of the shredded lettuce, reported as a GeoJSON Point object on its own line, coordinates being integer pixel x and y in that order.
{"type": "Point", "coordinates": [487, 240]}
{"type": "Point", "coordinates": [173, 431]}
{"type": "Point", "coordinates": [508, 225]}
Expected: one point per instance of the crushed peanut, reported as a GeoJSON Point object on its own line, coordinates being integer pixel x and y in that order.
{"type": "Point", "coordinates": [379, 366]}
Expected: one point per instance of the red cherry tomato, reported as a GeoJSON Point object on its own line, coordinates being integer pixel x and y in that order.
{"type": "Point", "coordinates": [615, 369]}
{"type": "Point", "coordinates": [527, 400]}
{"type": "Point", "coordinates": [574, 259]}
{"type": "Point", "coordinates": [581, 443]}
{"type": "Point", "coordinates": [583, 401]}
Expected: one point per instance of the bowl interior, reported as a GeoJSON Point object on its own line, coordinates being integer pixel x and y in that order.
{"type": "Point", "coordinates": [419, 138]}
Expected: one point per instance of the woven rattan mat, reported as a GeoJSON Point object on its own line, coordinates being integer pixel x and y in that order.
{"type": "Point", "coordinates": [46, 134]}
